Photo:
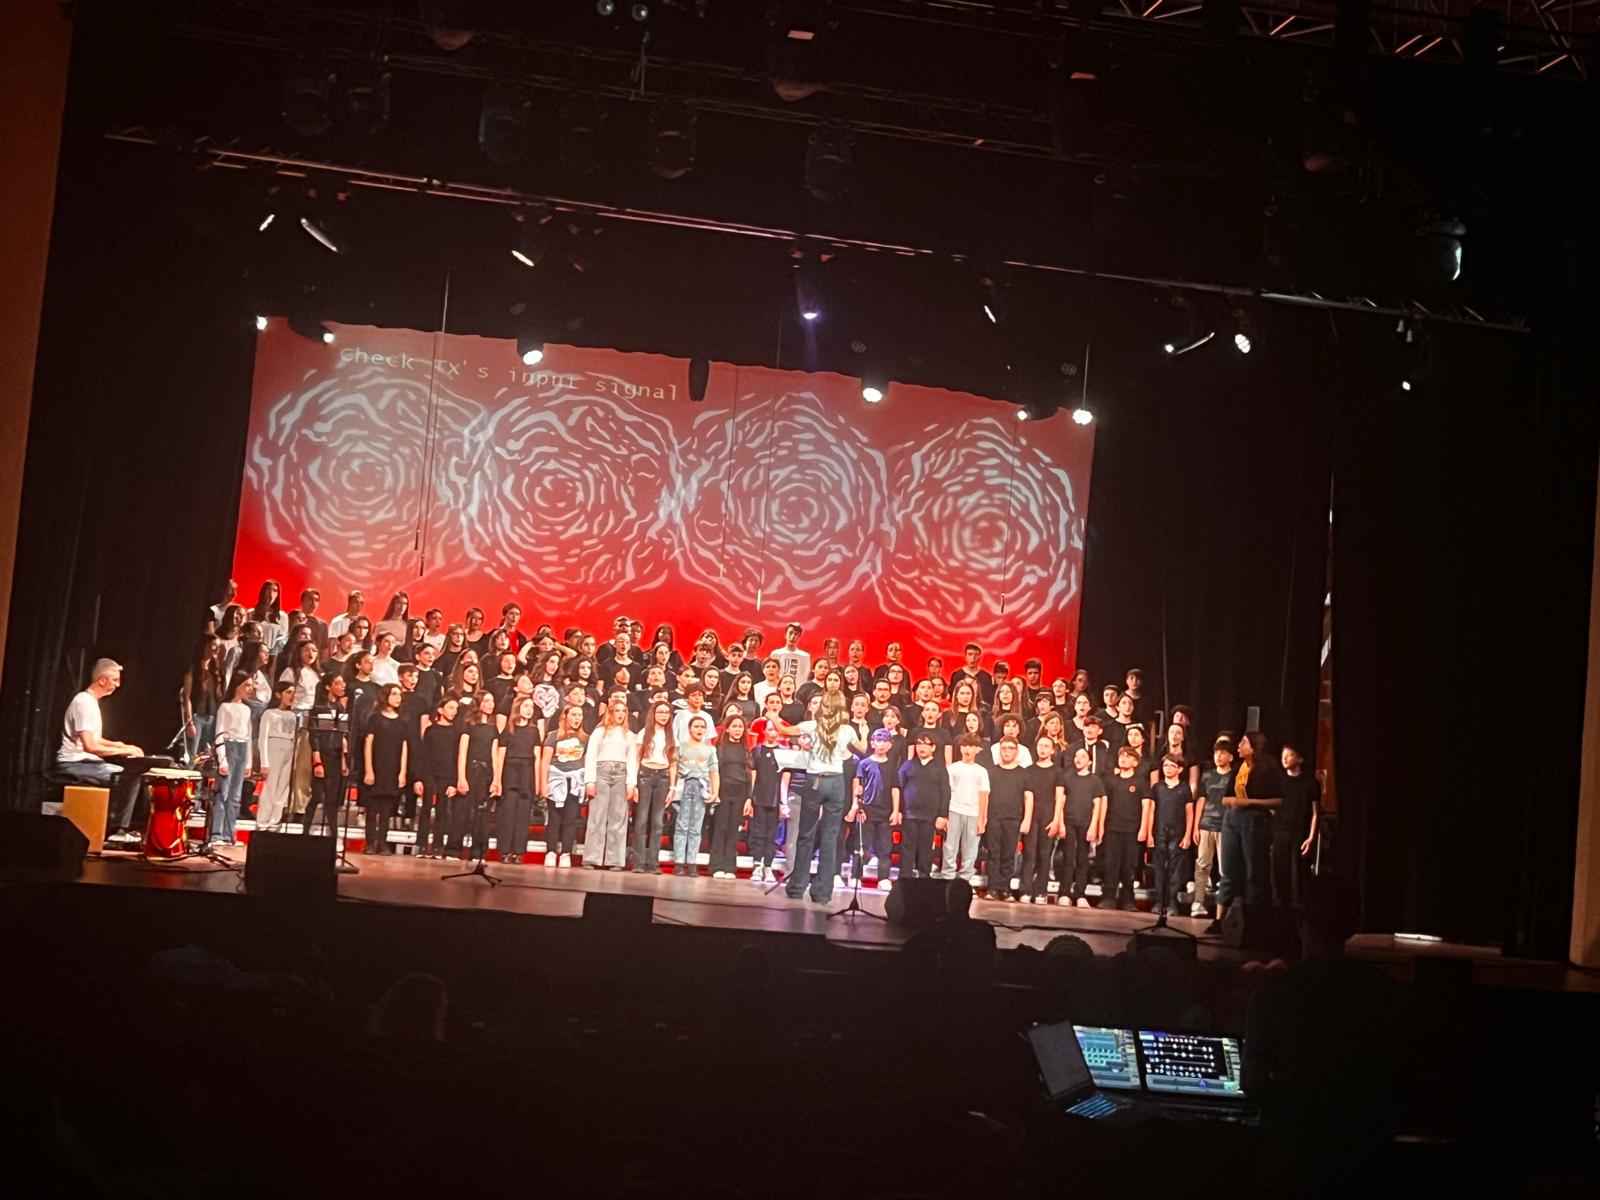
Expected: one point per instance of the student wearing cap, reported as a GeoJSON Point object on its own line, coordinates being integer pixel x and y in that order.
{"type": "Point", "coordinates": [924, 806]}
{"type": "Point", "coordinates": [1094, 744]}
{"type": "Point", "coordinates": [875, 806]}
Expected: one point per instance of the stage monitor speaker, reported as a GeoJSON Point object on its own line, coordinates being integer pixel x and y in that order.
{"type": "Point", "coordinates": [1262, 928]}
{"type": "Point", "coordinates": [49, 846]}
{"type": "Point", "coordinates": [619, 909]}
{"type": "Point", "coordinates": [1170, 940]}
{"type": "Point", "coordinates": [914, 903]}
{"type": "Point", "coordinates": [291, 866]}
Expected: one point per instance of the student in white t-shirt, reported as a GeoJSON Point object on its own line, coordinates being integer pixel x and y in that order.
{"type": "Point", "coordinates": [969, 809]}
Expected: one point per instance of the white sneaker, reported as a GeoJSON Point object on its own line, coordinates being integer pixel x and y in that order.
{"type": "Point", "coordinates": [838, 881]}
{"type": "Point", "coordinates": [884, 885]}
{"type": "Point", "coordinates": [1083, 902]}
{"type": "Point", "coordinates": [550, 859]}
{"type": "Point", "coordinates": [1197, 910]}
{"type": "Point", "coordinates": [763, 875]}
{"type": "Point", "coordinates": [566, 860]}
{"type": "Point", "coordinates": [1027, 899]}
{"type": "Point", "coordinates": [755, 873]}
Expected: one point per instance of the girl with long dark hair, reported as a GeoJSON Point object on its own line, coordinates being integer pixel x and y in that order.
{"type": "Point", "coordinates": [514, 754]}
{"type": "Point", "coordinates": [474, 775]}
{"type": "Point", "coordinates": [268, 613]}
{"type": "Point", "coordinates": [234, 758]}
{"type": "Point", "coordinates": [394, 618]}
{"type": "Point", "coordinates": [611, 779]}
{"type": "Point", "coordinates": [200, 696]}
{"type": "Point", "coordinates": [822, 804]}
{"type": "Point", "coordinates": [383, 770]}
{"type": "Point", "coordinates": [228, 639]}
{"type": "Point", "coordinates": [330, 766]}
{"type": "Point", "coordinates": [440, 742]}
{"type": "Point", "coordinates": [658, 775]}
{"type": "Point", "coordinates": [733, 792]}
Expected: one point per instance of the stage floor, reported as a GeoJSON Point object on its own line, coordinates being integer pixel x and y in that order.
{"type": "Point", "coordinates": [718, 903]}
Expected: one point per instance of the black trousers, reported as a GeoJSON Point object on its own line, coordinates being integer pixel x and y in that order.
{"type": "Point", "coordinates": [380, 809]}
{"type": "Point", "coordinates": [727, 818]}
{"type": "Point", "coordinates": [1074, 872]}
{"type": "Point", "coordinates": [916, 849]}
{"type": "Point", "coordinates": [1291, 873]}
{"type": "Point", "coordinates": [762, 838]}
{"type": "Point", "coordinates": [1038, 848]}
{"type": "Point", "coordinates": [433, 810]}
{"type": "Point", "coordinates": [648, 815]}
{"type": "Point", "coordinates": [561, 826]}
{"type": "Point", "coordinates": [471, 811]}
{"type": "Point", "coordinates": [326, 794]}
{"type": "Point", "coordinates": [880, 845]}
{"type": "Point", "coordinates": [1000, 854]}
{"type": "Point", "coordinates": [408, 797]}
{"type": "Point", "coordinates": [1166, 868]}
{"type": "Point", "coordinates": [511, 821]}
{"type": "Point", "coordinates": [1122, 866]}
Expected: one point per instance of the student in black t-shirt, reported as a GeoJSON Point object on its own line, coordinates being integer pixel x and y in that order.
{"type": "Point", "coordinates": [1047, 824]}
{"type": "Point", "coordinates": [1085, 823]}
{"type": "Point", "coordinates": [384, 768]}
{"type": "Point", "coordinates": [734, 773]}
{"type": "Point", "coordinates": [417, 714]}
{"type": "Point", "coordinates": [1011, 802]}
{"type": "Point", "coordinates": [1173, 833]}
{"type": "Point", "coordinates": [1128, 818]}
{"type": "Point", "coordinates": [924, 806]}
{"type": "Point", "coordinates": [1294, 830]}
{"type": "Point", "coordinates": [771, 783]}
{"type": "Point", "coordinates": [437, 770]}
{"type": "Point", "coordinates": [513, 779]}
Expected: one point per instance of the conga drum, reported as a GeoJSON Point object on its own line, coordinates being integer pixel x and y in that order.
{"type": "Point", "coordinates": [169, 796]}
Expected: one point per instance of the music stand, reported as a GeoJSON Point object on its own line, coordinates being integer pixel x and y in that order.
{"type": "Point", "coordinates": [339, 723]}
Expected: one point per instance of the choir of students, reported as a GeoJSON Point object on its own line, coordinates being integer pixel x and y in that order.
{"type": "Point", "coordinates": [449, 729]}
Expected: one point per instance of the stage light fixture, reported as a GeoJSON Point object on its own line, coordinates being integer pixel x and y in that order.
{"type": "Point", "coordinates": [830, 157]}
{"type": "Point", "coordinates": [1178, 349]}
{"type": "Point", "coordinates": [311, 329]}
{"type": "Point", "coordinates": [1405, 385]}
{"type": "Point", "coordinates": [581, 122]}
{"type": "Point", "coordinates": [809, 313]}
{"type": "Point", "coordinates": [531, 240]}
{"type": "Point", "coordinates": [1037, 410]}
{"type": "Point", "coordinates": [674, 136]}
{"type": "Point", "coordinates": [446, 23]}
{"type": "Point", "coordinates": [503, 122]}
{"type": "Point", "coordinates": [640, 12]}
{"type": "Point", "coordinates": [606, 8]}
{"type": "Point", "coordinates": [1082, 416]}
{"type": "Point", "coordinates": [364, 98]}
{"type": "Point", "coordinates": [798, 35]}
{"type": "Point", "coordinates": [307, 89]}
{"type": "Point", "coordinates": [530, 350]}
{"type": "Point", "coordinates": [266, 222]}
{"type": "Point", "coordinates": [874, 387]}
{"type": "Point", "coordinates": [261, 324]}
{"type": "Point", "coordinates": [319, 233]}
{"type": "Point", "coordinates": [1242, 342]}
{"type": "Point", "coordinates": [1439, 252]}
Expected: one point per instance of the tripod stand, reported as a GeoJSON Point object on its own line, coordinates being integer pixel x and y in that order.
{"type": "Point", "coordinates": [858, 866]}
{"type": "Point", "coordinates": [1164, 882]}
{"type": "Point", "coordinates": [480, 843]}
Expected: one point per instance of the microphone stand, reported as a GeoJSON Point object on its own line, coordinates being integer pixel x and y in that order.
{"type": "Point", "coordinates": [857, 868]}
{"type": "Point", "coordinates": [480, 869]}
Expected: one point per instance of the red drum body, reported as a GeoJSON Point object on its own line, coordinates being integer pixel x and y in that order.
{"type": "Point", "coordinates": [169, 795]}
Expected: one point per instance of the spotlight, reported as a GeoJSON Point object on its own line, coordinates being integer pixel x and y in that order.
{"type": "Point", "coordinates": [1037, 410]}
{"type": "Point", "coordinates": [364, 102]}
{"type": "Point", "coordinates": [673, 138]}
{"type": "Point", "coordinates": [306, 92]}
{"type": "Point", "coordinates": [503, 122]}
{"type": "Point", "coordinates": [261, 324]}
{"type": "Point", "coordinates": [1439, 252]}
{"type": "Point", "coordinates": [531, 241]}
{"type": "Point", "coordinates": [798, 33]}
{"type": "Point", "coordinates": [874, 387]}
{"type": "Point", "coordinates": [993, 303]}
{"type": "Point", "coordinates": [447, 24]}
{"type": "Point", "coordinates": [1178, 349]}
{"type": "Point", "coordinates": [266, 222]}
{"type": "Point", "coordinates": [829, 158]}
{"type": "Point", "coordinates": [1082, 416]}
{"type": "Point", "coordinates": [319, 233]}
{"type": "Point", "coordinates": [606, 8]}
{"type": "Point", "coordinates": [581, 119]}
{"type": "Point", "coordinates": [310, 329]}
{"type": "Point", "coordinates": [699, 377]}
{"type": "Point", "coordinates": [871, 394]}
{"type": "Point", "coordinates": [640, 12]}
{"type": "Point", "coordinates": [530, 350]}
{"type": "Point", "coordinates": [1242, 343]}
{"type": "Point", "coordinates": [1405, 385]}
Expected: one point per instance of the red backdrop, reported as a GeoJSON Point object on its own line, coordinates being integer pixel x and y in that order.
{"type": "Point", "coordinates": [590, 485]}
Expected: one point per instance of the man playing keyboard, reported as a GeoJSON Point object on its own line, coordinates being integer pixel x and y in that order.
{"type": "Point", "coordinates": [84, 749]}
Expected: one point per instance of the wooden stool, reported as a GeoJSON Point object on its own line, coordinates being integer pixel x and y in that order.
{"type": "Point", "coordinates": [87, 808]}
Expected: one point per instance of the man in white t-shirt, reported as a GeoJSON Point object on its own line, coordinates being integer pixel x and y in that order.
{"type": "Point", "coordinates": [969, 810]}
{"type": "Point", "coordinates": [81, 757]}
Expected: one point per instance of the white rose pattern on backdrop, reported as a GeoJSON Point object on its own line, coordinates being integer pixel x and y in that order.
{"type": "Point", "coordinates": [342, 477]}
{"type": "Point", "coordinates": [984, 529]}
{"type": "Point", "coordinates": [575, 497]}
{"type": "Point", "coordinates": [784, 497]}
{"type": "Point", "coordinates": [568, 492]}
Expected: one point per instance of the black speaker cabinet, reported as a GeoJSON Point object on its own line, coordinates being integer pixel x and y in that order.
{"type": "Point", "coordinates": [1262, 928]}
{"type": "Point", "coordinates": [619, 908]}
{"type": "Point", "coordinates": [291, 866]}
{"type": "Point", "coordinates": [40, 845]}
{"type": "Point", "coordinates": [914, 903]}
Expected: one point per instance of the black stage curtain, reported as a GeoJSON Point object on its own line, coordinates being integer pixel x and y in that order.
{"type": "Point", "coordinates": [1463, 537]}
{"type": "Point", "coordinates": [1208, 530]}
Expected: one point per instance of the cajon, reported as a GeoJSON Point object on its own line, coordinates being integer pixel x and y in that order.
{"type": "Point", "coordinates": [87, 808]}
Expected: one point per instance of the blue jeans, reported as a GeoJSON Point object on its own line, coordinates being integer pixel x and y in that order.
{"type": "Point", "coordinates": [820, 817]}
{"type": "Point", "coordinates": [691, 818]}
{"type": "Point", "coordinates": [230, 788]}
{"type": "Point", "coordinates": [197, 745]}
{"type": "Point", "coordinates": [1241, 860]}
